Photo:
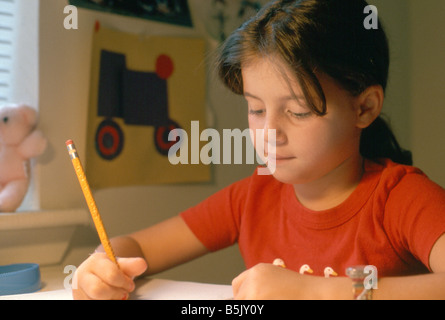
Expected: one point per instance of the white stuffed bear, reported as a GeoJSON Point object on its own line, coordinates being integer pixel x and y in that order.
{"type": "Point", "coordinates": [19, 142]}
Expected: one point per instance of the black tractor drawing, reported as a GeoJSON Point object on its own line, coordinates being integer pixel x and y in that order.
{"type": "Point", "coordinates": [139, 98]}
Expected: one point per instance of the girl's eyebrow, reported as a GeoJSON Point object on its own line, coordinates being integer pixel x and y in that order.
{"type": "Point", "coordinates": [247, 94]}
{"type": "Point", "coordinates": [285, 98]}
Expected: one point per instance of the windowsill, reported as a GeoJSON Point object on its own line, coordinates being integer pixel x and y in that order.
{"type": "Point", "coordinates": [41, 237]}
{"type": "Point", "coordinates": [42, 219]}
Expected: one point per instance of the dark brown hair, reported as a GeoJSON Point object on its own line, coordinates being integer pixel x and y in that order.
{"type": "Point", "coordinates": [313, 36]}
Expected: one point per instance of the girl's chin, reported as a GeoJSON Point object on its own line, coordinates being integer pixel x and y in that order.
{"type": "Point", "coordinates": [287, 178]}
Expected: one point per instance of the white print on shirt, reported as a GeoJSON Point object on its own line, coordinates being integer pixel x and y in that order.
{"type": "Point", "coordinates": [305, 268]}
{"type": "Point", "coordinates": [328, 271]}
{"type": "Point", "coordinates": [279, 263]}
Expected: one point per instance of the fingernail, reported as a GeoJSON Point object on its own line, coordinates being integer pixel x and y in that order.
{"type": "Point", "coordinates": [125, 297]}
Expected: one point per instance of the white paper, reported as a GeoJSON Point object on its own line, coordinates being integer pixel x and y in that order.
{"type": "Point", "coordinates": [158, 289]}
{"type": "Point", "coordinates": [148, 289]}
{"type": "Point", "coordinates": [47, 295]}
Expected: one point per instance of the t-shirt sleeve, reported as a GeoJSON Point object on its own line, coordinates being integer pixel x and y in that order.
{"type": "Point", "coordinates": [215, 221]}
{"type": "Point", "coordinates": [418, 215]}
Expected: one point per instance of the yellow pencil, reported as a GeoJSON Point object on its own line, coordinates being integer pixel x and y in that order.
{"type": "Point", "coordinates": [90, 201]}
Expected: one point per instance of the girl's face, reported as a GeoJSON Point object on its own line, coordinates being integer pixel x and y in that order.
{"type": "Point", "coordinates": [308, 147]}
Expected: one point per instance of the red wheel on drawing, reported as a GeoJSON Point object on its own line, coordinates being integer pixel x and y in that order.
{"type": "Point", "coordinates": [162, 143]}
{"type": "Point", "coordinates": [109, 140]}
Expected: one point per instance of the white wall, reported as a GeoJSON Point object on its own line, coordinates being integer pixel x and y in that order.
{"type": "Point", "coordinates": [427, 89]}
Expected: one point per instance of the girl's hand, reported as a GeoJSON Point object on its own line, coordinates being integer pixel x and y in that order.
{"type": "Point", "coordinates": [269, 282]}
{"type": "Point", "coordinates": [98, 278]}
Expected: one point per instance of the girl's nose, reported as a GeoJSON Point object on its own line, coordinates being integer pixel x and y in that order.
{"type": "Point", "coordinates": [273, 131]}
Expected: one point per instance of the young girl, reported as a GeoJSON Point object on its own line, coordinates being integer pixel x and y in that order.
{"type": "Point", "coordinates": [342, 193]}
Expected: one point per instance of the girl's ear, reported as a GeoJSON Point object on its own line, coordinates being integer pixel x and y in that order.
{"type": "Point", "coordinates": [369, 105]}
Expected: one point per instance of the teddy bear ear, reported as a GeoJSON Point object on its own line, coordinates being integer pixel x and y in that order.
{"type": "Point", "coordinates": [29, 113]}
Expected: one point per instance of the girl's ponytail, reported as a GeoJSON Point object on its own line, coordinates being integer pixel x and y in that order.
{"type": "Point", "coordinates": [378, 141]}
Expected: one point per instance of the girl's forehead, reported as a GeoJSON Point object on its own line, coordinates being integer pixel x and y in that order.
{"type": "Point", "coordinates": [269, 67]}
{"type": "Point", "coordinates": [271, 61]}
{"type": "Point", "coordinates": [273, 73]}
{"type": "Point", "coordinates": [272, 79]}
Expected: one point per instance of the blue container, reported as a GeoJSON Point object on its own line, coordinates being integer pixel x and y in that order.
{"type": "Point", "coordinates": [19, 279]}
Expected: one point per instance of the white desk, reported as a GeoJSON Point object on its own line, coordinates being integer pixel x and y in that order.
{"type": "Point", "coordinates": [53, 277]}
{"type": "Point", "coordinates": [147, 289]}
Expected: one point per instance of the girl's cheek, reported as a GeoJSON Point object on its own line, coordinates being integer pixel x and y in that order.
{"type": "Point", "coordinates": [256, 123]}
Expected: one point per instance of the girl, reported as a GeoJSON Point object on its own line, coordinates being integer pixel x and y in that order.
{"type": "Point", "coordinates": [342, 193]}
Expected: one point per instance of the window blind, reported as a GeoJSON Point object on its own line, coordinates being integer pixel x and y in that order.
{"type": "Point", "coordinates": [7, 24]}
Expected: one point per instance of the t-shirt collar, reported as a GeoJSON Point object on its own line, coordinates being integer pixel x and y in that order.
{"type": "Point", "coordinates": [331, 218]}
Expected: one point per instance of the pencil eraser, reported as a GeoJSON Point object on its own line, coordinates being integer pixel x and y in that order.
{"type": "Point", "coordinates": [69, 142]}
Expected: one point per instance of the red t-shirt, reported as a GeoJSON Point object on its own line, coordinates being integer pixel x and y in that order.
{"type": "Point", "coordinates": [391, 221]}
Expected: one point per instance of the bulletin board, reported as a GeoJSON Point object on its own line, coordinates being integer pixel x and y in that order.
{"type": "Point", "coordinates": [142, 87]}
{"type": "Point", "coordinates": [167, 11]}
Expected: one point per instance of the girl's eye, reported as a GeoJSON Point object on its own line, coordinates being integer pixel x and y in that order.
{"type": "Point", "coordinates": [298, 115]}
{"type": "Point", "coordinates": [256, 112]}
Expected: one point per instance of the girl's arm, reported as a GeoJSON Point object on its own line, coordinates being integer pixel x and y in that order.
{"type": "Point", "coordinates": [149, 251]}
{"type": "Point", "coordinates": [429, 286]}
{"type": "Point", "coordinates": [166, 245]}
{"type": "Point", "coordinates": [270, 282]}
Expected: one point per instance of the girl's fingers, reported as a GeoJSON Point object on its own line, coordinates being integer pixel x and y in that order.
{"type": "Point", "coordinates": [99, 278]}
{"type": "Point", "coordinates": [97, 289]}
{"type": "Point", "coordinates": [113, 277]}
{"type": "Point", "coordinates": [237, 284]}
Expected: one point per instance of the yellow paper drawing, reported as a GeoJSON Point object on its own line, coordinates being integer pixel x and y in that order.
{"type": "Point", "coordinates": [141, 89]}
